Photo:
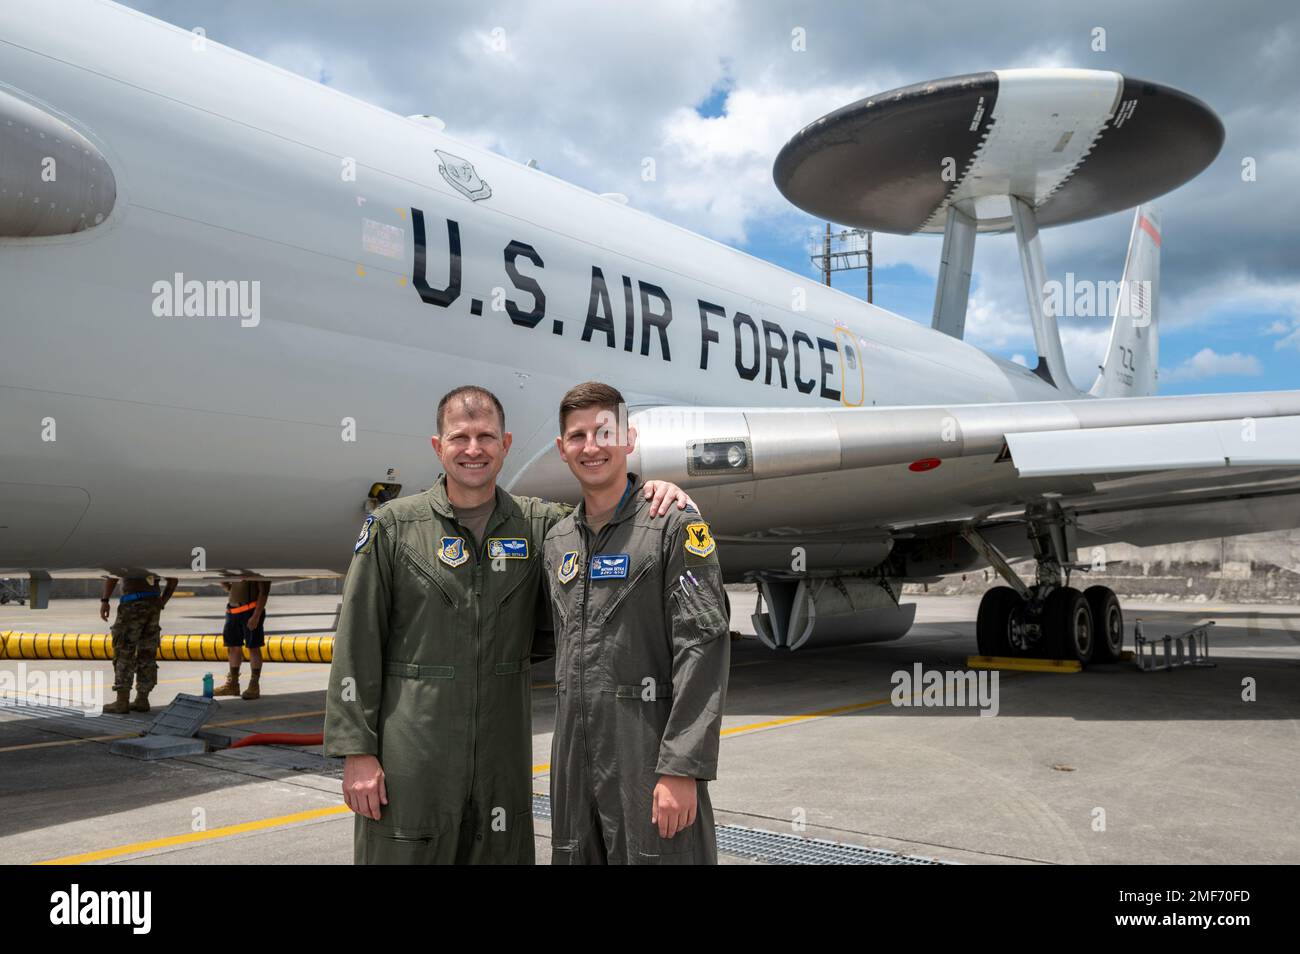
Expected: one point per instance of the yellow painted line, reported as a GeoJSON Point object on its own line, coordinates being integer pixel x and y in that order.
{"type": "Point", "coordinates": [50, 745]}
{"type": "Point", "coordinates": [267, 718]}
{"type": "Point", "coordinates": [1022, 664]}
{"type": "Point", "coordinates": [819, 714]}
{"type": "Point", "coordinates": [243, 673]}
{"type": "Point", "coordinates": [787, 720]}
{"type": "Point", "coordinates": [197, 837]}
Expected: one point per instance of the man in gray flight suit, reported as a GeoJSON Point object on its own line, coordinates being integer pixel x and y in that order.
{"type": "Point", "coordinates": [430, 693]}
{"type": "Point", "coordinates": [642, 654]}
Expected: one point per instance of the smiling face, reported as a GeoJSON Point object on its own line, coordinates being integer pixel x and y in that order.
{"type": "Point", "coordinates": [590, 444]}
{"type": "Point", "coordinates": [472, 445]}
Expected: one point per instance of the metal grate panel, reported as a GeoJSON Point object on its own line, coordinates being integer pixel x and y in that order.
{"type": "Point", "coordinates": [777, 848]}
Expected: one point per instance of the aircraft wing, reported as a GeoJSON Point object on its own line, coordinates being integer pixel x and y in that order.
{"type": "Point", "coordinates": [856, 480]}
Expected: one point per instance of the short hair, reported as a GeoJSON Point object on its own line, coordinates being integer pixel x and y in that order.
{"type": "Point", "coordinates": [475, 399]}
{"type": "Point", "coordinates": [590, 394]}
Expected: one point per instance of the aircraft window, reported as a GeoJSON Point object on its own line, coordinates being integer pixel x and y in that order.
{"type": "Point", "coordinates": [853, 359]}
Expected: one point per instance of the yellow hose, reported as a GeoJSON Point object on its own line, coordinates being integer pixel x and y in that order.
{"type": "Point", "coordinates": [198, 648]}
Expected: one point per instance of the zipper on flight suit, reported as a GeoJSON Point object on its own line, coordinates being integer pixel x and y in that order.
{"type": "Point", "coordinates": [585, 533]}
{"type": "Point", "coordinates": [479, 554]}
{"type": "Point", "coordinates": [592, 550]}
{"type": "Point", "coordinates": [478, 591]}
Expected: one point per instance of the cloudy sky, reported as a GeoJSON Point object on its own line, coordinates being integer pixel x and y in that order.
{"type": "Point", "coordinates": [712, 89]}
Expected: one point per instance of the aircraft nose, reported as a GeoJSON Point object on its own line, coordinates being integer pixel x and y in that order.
{"type": "Point", "coordinates": [53, 181]}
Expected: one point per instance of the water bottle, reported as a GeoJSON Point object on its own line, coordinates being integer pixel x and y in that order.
{"type": "Point", "coordinates": [207, 685]}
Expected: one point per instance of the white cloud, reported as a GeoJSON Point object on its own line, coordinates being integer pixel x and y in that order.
{"type": "Point", "coordinates": [1207, 363]}
{"type": "Point", "coordinates": [715, 173]}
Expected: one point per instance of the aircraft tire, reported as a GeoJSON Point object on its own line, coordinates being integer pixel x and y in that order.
{"type": "Point", "coordinates": [1067, 625]}
{"type": "Point", "coordinates": [993, 620]}
{"type": "Point", "coordinates": [1107, 623]}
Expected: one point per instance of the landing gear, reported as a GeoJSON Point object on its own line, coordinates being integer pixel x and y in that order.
{"type": "Point", "coordinates": [1049, 619]}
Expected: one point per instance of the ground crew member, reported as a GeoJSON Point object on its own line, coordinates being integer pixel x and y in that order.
{"type": "Point", "coordinates": [136, 636]}
{"type": "Point", "coordinates": [245, 611]}
{"type": "Point", "coordinates": [430, 693]}
{"type": "Point", "coordinates": [642, 654]}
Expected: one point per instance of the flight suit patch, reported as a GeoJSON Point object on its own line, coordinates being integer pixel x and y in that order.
{"type": "Point", "coordinates": [364, 536]}
{"type": "Point", "coordinates": [699, 540]}
{"type": "Point", "coordinates": [452, 551]}
{"type": "Point", "coordinates": [508, 548]}
{"type": "Point", "coordinates": [610, 566]}
{"type": "Point", "coordinates": [568, 567]}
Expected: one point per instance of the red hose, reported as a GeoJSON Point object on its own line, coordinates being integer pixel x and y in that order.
{"type": "Point", "coordinates": [279, 738]}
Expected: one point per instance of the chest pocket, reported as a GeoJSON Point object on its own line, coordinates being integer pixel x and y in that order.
{"type": "Point", "coordinates": [425, 572]}
{"type": "Point", "coordinates": [635, 577]}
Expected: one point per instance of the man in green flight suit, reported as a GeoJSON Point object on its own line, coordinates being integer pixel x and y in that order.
{"type": "Point", "coordinates": [642, 651]}
{"type": "Point", "coordinates": [430, 696]}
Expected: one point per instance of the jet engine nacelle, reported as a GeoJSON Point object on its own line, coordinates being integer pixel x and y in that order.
{"type": "Point", "coordinates": [825, 611]}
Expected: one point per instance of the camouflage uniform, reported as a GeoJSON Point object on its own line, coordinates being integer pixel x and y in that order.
{"type": "Point", "coordinates": [641, 665]}
{"type": "Point", "coordinates": [136, 636]}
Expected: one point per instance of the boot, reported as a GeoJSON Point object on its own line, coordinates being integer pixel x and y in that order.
{"type": "Point", "coordinates": [141, 703]}
{"type": "Point", "coordinates": [123, 704]}
{"type": "Point", "coordinates": [231, 687]}
{"type": "Point", "coordinates": [252, 692]}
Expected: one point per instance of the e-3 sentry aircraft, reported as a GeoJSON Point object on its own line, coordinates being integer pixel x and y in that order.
{"type": "Point", "coordinates": [232, 298]}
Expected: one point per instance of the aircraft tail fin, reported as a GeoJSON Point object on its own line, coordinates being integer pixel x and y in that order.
{"type": "Point", "coordinates": [1133, 354]}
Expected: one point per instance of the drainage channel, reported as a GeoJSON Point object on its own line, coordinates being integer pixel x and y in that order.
{"type": "Point", "coordinates": [778, 848]}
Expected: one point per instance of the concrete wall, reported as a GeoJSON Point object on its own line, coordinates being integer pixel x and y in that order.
{"type": "Point", "coordinates": [1256, 568]}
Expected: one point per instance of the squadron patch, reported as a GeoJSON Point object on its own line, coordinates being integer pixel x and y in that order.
{"type": "Point", "coordinates": [610, 566]}
{"type": "Point", "coordinates": [507, 548]}
{"type": "Point", "coordinates": [364, 536]}
{"type": "Point", "coordinates": [568, 567]}
{"type": "Point", "coordinates": [451, 551]}
{"type": "Point", "coordinates": [698, 539]}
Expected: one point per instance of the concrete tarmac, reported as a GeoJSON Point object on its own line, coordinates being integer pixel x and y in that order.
{"type": "Point", "coordinates": [1105, 766]}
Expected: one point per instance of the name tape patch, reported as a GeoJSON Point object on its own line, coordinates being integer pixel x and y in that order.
{"type": "Point", "coordinates": [609, 566]}
{"type": "Point", "coordinates": [507, 548]}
